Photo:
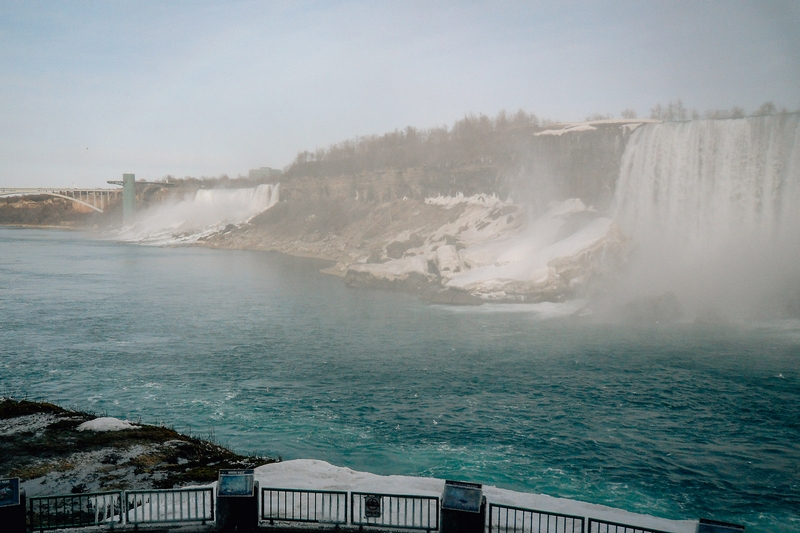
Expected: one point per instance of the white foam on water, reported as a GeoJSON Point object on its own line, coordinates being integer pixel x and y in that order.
{"type": "Point", "coordinates": [543, 310]}
{"type": "Point", "coordinates": [197, 217]}
{"type": "Point", "coordinates": [488, 200]}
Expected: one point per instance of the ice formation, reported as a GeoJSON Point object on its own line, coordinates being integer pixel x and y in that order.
{"type": "Point", "coordinates": [493, 252]}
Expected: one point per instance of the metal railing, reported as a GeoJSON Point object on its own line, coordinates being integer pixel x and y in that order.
{"type": "Point", "coordinates": [171, 505]}
{"type": "Point", "coordinates": [297, 505]}
{"type": "Point", "coordinates": [601, 526]}
{"type": "Point", "coordinates": [400, 511]}
{"type": "Point", "coordinates": [74, 510]}
{"type": "Point", "coordinates": [504, 518]}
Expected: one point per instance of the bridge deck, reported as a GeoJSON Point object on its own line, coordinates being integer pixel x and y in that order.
{"type": "Point", "coordinates": [93, 198]}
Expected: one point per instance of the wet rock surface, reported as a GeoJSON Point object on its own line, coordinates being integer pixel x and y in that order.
{"type": "Point", "coordinates": [40, 443]}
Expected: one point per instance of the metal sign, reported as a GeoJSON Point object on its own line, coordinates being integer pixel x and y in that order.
{"type": "Point", "coordinates": [235, 483]}
{"type": "Point", "coordinates": [9, 492]}
{"type": "Point", "coordinates": [372, 506]}
{"type": "Point", "coordinates": [462, 496]}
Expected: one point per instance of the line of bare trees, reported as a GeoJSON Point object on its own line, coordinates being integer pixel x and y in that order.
{"type": "Point", "coordinates": [677, 112]}
{"type": "Point", "coordinates": [475, 139]}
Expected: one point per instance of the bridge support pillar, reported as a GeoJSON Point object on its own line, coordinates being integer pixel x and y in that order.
{"type": "Point", "coordinates": [128, 198]}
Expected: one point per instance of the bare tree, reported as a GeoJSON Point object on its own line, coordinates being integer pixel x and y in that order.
{"type": "Point", "coordinates": [657, 112]}
{"type": "Point", "coordinates": [767, 108]}
{"type": "Point", "coordinates": [597, 116]}
{"type": "Point", "coordinates": [675, 111]}
{"type": "Point", "coordinates": [628, 113]}
{"type": "Point", "coordinates": [737, 112]}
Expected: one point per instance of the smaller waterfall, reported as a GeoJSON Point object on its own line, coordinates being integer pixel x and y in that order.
{"type": "Point", "coordinates": [207, 211]}
{"type": "Point", "coordinates": [713, 207]}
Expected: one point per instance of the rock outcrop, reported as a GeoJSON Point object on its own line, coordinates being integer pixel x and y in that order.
{"type": "Point", "coordinates": [59, 451]}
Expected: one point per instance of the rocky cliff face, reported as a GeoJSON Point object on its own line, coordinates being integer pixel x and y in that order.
{"type": "Point", "coordinates": [530, 228]}
{"type": "Point", "coordinates": [564, 161]}
{"type": "Point", "coordinates": [59, 451]}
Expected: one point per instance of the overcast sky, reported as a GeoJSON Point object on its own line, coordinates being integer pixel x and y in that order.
{"type": "Point", "coordinates": [90, 90]}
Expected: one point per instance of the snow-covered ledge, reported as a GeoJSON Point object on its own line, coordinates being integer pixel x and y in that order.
{"type": "Point", "coordinates": [319, 475]}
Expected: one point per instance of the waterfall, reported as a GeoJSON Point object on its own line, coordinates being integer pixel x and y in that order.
{"type": "Point", "coordinates": [713, 207]}
{"type": "Point", "coordinates": [199, 215]}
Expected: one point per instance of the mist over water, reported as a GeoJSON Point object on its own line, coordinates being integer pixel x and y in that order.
{"type": "Point", "coordinates": [713, 211]}
{"type": "Point", "coordinates": [677, 420]}
{"type": "Point", "coordinates": [202, 213]}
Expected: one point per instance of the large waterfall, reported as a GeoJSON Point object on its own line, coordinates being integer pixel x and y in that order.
{"type": "Point", "coordinates": [205, 212]}
{"type": "Point", "coordinates": [713, 209]}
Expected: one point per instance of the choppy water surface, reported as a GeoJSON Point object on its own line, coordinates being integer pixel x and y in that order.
{"type": "Point", "coordinates": [679, 421]}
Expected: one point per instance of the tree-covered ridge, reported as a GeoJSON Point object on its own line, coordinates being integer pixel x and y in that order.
{"type": "Point", "coordinates": [473, 139]}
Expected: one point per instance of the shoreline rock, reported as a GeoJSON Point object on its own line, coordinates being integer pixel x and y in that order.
{"type": "Point", "coordinates": [50, 450]}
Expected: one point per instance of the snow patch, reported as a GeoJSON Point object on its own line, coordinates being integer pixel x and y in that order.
{"type": "Point", "coordinates": [570, 129]}
{"type": "Point", "coordinates": [526, 256]}
{"type": "Point", "coordinates": [567, 127]}
{"type": "Point", "coordinates": [106, 423]}
{"type": "Point", "coordinates": [486, 200]}
{"type": "Point", "coordinates": [27, 424]}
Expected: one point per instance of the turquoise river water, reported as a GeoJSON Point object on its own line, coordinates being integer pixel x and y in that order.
{"type": "Point", "coordinates": [681, 421]}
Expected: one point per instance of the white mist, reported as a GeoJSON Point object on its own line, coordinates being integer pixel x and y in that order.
{"type": "Point", "coordinates": [713, 209]}
{"type": "Point", "coordinates": [205, 212]}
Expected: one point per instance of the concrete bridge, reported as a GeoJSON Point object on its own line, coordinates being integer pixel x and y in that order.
{"type": "Point", "coordinates": [97, 199]}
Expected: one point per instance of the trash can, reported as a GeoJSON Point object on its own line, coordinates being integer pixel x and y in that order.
{"type": "Point", "coordinates": [713, 526]}
{"type": "Point", "coordinates": [463, 507]}
{"type": "Point", "coordinates": [237, 501]}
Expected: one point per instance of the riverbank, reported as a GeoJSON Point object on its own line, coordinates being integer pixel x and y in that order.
{"type": "Point", "coordinates": [54, 450]}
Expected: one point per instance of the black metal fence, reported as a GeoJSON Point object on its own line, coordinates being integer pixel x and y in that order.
{"type": "Point", "coordinates": [163, 506]}
{"type": "Point", "coordinates": [601, 526]}
{"type": "Point", "coordinates": [363, 509]}
{"type": "Point", "coordinates": [295, 505]}
{"type": "Point", "coordinates": [129, 507]}
{"type": "Point", "coordinates": [505, 519]}
{"type": "Point", "coordinates": [401, 511]}
{"type": "Point", "coordinates": [74, 510]}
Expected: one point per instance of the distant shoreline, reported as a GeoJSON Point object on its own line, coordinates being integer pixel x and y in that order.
{"type": "Point", "coordinates": [36, 226]}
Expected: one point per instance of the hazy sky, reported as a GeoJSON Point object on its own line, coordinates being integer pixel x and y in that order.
{"type": "Point", "coordinates": [89, 90]}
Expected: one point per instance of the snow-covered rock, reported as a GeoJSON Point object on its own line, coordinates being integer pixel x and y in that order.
{"type": "Point", "coordinates": [492, 251]}
{"type": "Point", "coordinates": [106, 423]}
{"type": "Point", "coordinates": [448, 261]}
